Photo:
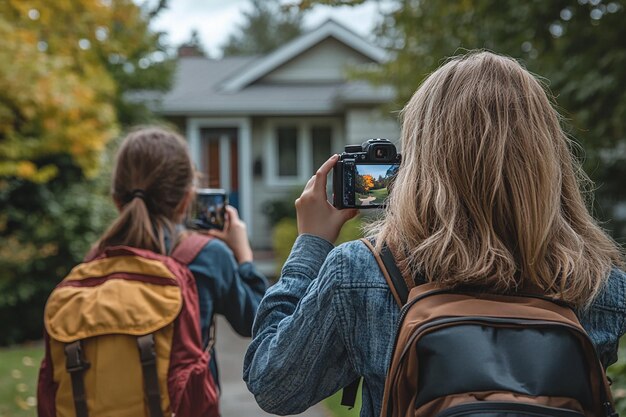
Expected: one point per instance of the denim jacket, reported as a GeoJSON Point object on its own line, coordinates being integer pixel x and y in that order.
{"type": "Point", "coordinates": [226, 288]}
{"type": "Point", "coordinates": [332, 318]}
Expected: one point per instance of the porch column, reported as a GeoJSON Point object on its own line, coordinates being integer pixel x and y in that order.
{"type": "Point", "coordinates": [245, 170]}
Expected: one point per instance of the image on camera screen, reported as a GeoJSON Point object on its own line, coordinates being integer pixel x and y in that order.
{"type": "Point", "coordinates": [210, 210]}
{"type": "Point", "coordinates": [371, 185]}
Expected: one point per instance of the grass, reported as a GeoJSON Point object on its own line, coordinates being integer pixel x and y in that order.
{"type": "Point", "coordinates": [19, 367]}
{"type": "Point", "coordinates": [380, 194]}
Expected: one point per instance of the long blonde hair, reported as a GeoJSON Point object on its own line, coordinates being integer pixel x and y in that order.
{"type": "Point", "coordinates": [489, 192]}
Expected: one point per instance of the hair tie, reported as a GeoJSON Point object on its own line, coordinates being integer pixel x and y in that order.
{"type": "Point", "coordinates": [138, 193]}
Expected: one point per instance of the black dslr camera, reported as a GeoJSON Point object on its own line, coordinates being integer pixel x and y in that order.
{"type": "Point", "coordinates": [363, 174]}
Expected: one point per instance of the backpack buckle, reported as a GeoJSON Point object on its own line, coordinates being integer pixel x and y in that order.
{"type": "Point", "coordinates": [147, 354]}
{"type": "Point", "coordinates": [75, 361]}
{"type": "Point", "coordinates": [608, 408]}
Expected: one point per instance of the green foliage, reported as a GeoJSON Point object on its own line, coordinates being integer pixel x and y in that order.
{"type": "Point", "coordinates": [46, 229]}
{"type": "Point", "coordinates": [63, 89]}
{"type": "Point", "coordinates": [617, 372]}
{"type": "Point", "coordinates": [579, 49]}
{"type": "Point", "coordinates": [64, 86]}
{"type": "Point", "coordinates": [19, 367]}
{"type": "Point", "coordinates": [283, 237]}
{"type": "Point", "coordinates": [266, 27]}
{"type": "Point", "coordinates": [277, 210]}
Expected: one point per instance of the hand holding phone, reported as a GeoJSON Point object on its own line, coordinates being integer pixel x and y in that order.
{"type": "Point", "coordinates": [235, 235]}
{"type": "Point", "coordinates": [209, 209]}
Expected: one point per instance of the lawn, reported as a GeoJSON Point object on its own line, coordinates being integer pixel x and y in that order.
{"type": "Point", "coordinates": [380, 194]}
{"type": "Point", "coordinates": [19, 367]}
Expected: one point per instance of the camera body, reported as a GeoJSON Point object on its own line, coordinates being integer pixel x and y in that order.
{"type": "Point", "coordinates": [363, 174]}
{"type": "Point", "coordinates": [209, 209]}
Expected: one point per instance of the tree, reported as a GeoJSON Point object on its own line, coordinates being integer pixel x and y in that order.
{"type": "Point", "coordinates": [364, 183]}
{"type": "Point", "coordinates": [266, 27]}
{"type": "Point", "coordinates": [62, 96]}
{"type": "Point", "coordinates": [578, 47]}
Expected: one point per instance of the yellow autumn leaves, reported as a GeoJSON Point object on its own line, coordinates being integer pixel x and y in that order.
{"type": "Point", "coordinates": [57, 93]}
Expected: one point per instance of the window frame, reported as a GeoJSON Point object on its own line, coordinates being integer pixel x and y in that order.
{"type": "Point", "coordinates": [304, 149]}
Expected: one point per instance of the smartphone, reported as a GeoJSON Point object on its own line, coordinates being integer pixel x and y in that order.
{"type": "Point", "coordinates": [209, 209]}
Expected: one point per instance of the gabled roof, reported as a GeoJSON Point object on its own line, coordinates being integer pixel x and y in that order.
{"type": "Point", "coordinates": [282, 55]}
{"type": "Point", "coordinates": [196, 92]}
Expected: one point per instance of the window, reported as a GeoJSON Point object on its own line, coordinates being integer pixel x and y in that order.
{"type": "Point", "coordinates": [287, 151]}
{"type": "Point", "coordinates": [296, 148]}
{"type": "Point", "coordinates": [321, 140]}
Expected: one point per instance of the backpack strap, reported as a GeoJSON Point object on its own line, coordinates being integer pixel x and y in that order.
{"type": "Point", "coordinates": [76, 365]}
{"type": "Point", "coordinates": [189, 247]}
{"type": "Point", "coordinates": [147, 356]}
{"type": "Point", "coordinates": [400, 290]}
{"type": "Point", "coordinates": [348, 396]}
{"type": "Point", "coordinates": [185, 252]}
{"type": "Point", "coordinates": [398, 285]}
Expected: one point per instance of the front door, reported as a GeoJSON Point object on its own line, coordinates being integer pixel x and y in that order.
{"type": "Point", "coordinates": [220, 167]}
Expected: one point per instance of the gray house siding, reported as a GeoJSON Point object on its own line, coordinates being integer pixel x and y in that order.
{"type": "Point", "coordinates": [367, 123]}
{"type": "Point", "coordinates": [325, 62]}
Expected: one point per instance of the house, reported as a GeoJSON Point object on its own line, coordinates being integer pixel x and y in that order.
{"type": "Point", "coordinates": [260, 126]}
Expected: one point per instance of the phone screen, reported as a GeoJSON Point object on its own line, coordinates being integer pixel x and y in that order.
{"type": "Point", "coordinates": [209, 211]}
{"type": "Point", "coordinates": [372, 182]}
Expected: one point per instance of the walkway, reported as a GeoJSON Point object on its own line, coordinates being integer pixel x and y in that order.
{"type": "Point", "coordinates": [236, 400]}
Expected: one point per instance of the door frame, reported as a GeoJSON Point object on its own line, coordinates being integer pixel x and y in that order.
{"type": "Point", "coordinates": [244, 150]}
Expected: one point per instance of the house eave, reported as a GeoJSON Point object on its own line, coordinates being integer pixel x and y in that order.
{"type": "Point", "coordinates": [282, 55]}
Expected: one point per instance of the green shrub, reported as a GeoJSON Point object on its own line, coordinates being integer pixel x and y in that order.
{"type": "Point", "coordinates": [617, 372]}
{"type": "Point", "coordinates": [45, 230]}
{"type": "Point", "coordinates": [282, 208]}
{"type": "Point", "coordinates": [286, 232]}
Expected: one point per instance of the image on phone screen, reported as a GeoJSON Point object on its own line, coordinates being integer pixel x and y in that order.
{"type": "Point", "coordinates": [209, 210]}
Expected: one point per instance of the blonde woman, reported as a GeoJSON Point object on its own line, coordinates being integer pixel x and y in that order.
{"type": "Point", "coordinates": [488, 194]}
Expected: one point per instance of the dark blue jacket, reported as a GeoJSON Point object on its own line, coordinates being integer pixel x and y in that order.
{"type": "Point", "coordinates": [226, 288]}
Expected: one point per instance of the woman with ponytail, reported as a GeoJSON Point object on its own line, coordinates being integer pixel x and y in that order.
{"type": "Point", "coordinates": [152, 189]}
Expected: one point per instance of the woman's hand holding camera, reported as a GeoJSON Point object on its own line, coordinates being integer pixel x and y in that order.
{"type": "Point", "coordinates": [316, 216]}
{"type": "Point", "coordinates": [235, 236]}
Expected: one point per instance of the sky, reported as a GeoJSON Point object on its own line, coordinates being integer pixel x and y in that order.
{"type": "Point", "coordinates": [375, 170]}
{"type": "Point", "coordinates": [215, 20]}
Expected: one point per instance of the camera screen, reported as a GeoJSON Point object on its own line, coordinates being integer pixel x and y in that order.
{"type": "Point", "coordinates": [209, 211]}
{"type": "Point", "coordinates": [371, 183]}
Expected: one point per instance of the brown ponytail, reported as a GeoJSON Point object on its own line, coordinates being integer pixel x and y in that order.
{"type": "Point", "coordinates": [152, 176]}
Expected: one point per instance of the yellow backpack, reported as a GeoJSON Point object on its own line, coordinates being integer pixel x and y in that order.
{"type": "Point", "coordinates": [123, 338]}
